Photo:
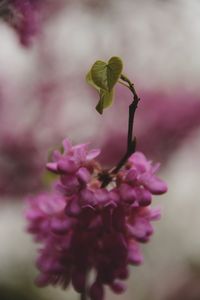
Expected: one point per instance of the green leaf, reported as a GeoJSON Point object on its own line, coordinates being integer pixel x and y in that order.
{"type": "Point", "coordinates": [106, 99]}
{"type": "Point", "coordinates": [91, 82]}
{"type": "Point", "coordinates": [105, 76]}
{"type": "Point", "coordinates": [99, 74]}
{"type": "Point", "coordinates": [114, 71]}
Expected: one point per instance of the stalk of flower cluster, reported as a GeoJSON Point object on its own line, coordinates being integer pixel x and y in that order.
{"type": "Point", "coordinates": [132, 109]}
{"type": "Point", "coordinates": [131, 142]}
{"type": "Point", "coordinates": [83, 296]}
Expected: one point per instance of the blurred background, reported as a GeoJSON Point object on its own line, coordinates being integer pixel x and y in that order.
{"type": "Point", "coordinates": [46, 49]}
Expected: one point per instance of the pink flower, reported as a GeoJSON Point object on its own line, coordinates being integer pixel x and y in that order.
{"type": "Point", "coordinates": [28, 17]}
{"type": "Point", "coordinates": [71, 159]}
{"type": "Point", "coordinates": [46, 215]}
{"type": "Point", "coordinates": [86, 226]}
{"type": "Point", "coordinates": [24, 16]}
{"type": "Point", "coordinates": [29, 25]}
{"type": "Point", "coordinates": [142, 173]}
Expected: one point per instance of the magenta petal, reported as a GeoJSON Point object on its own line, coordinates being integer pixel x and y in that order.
{"type": "Point", "coordinates": [70, 182]}
{"type": "Point", "coordinates": [118, 287]}
{"type": "Point", "coordinates": [124, 273]}
{"type": "Point", "coordinates": [134, 254]}
{"type": "Point", "coordinates": [34, 214]}
{"type": "Point", "coordinates": [143, 196]}
{"type": "Point", "coordinates": [78, 280]}
{"type": "Point", "coordinates": [80, 153]}
{"type": "Point", "coordinates": [83, 175]}
{"type": "Point", "coordinates": [155, 185]}
{"type": "Point", "coordinates": [92, 154]}
{"type": "Point", "coordinates": [73, 207]}
{"type": "Point", "coordinates": [87, 198]}
{"type": "Point", "coordinates": [52, 166]}
{"type": "Point", "coordinates": [140, 162]}
{"type": "Point", "coordinates": [51, 204]}
{"type": "Point", "coordinates": [141, 230]}
{"type": "Point", "coordinates": [59, 226]}
{"type": "Point", "coordinates": [131, 176]}
{"type": "Point", "coordinates": [43, 280]}
{"type": "Point", "coordinates": [101, 197]}
{"type": "Point", "coordinates": [66, 166]}
{"type": "Point", "coordinates": [56, 155]}
{"type": "Point", "coordinates": [96, 291]}
{"type": "Point", "coordinates": [67, 145]}
{"type": "Point", "coordinates": [127, 193]}
{"type": "Point", "coordinates": [155, 214]}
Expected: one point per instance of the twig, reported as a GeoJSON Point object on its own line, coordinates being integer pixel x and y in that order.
{"type": "Point", "coordinates": [130, 151]}
{"type": "Point", "coordinates": [83, 296]}
{"type": "Point", "coordinates": [106, 176]}
{"type": "Point", "coordinates": [131, 143]}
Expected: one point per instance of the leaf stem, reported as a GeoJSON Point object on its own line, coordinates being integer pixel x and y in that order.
{"type": "Point", "coordinates": [122, 83]}
{"type": "Point", "coordinates": [106, 176]}
{"type": "Point", "coordinates": [131, 143]}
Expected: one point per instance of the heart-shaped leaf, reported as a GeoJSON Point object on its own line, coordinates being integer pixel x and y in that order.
{"type": "Point", "coordinates": [105, 76]}
{"type": "Point", "coordinates": [99, 74]}
{"type": "Point", "coordinates": [114, 70]}
{"type": "Point", "coordinates": [106, 99]}
{"type": "Point", "coordinates": [91, 82]}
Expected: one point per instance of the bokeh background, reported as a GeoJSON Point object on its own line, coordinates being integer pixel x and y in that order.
{"type": "Point", "coordinates": [44, 56]}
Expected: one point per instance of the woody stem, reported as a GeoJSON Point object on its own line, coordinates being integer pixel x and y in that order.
{"type": "Point", "coordinates": [83, 296]}
{"type": "Point", "coordinates": [131, 142]}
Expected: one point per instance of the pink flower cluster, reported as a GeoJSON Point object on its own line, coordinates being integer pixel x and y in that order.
{"type": "Point", "coordinates": [28, 17]}
{"type": "Point", "coordinates": [89, 228]}
{"type": "Point", "coordinates": [23, 15]}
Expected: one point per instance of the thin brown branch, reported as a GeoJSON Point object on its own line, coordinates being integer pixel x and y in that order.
{"type": "Point", "coordinates": [106, 177]}
{"type": "Point", "coordinates": [83, 296]}
{"type": "Point", "coordinates": [131, 143]}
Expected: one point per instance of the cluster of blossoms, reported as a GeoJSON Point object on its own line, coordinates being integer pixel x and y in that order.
{"type": "Point", "coordinates": [28, 17]}
{"type": "Point", "coordinates": [91, 224]}
{"type": "Point", "coordinates": [24, 16]}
